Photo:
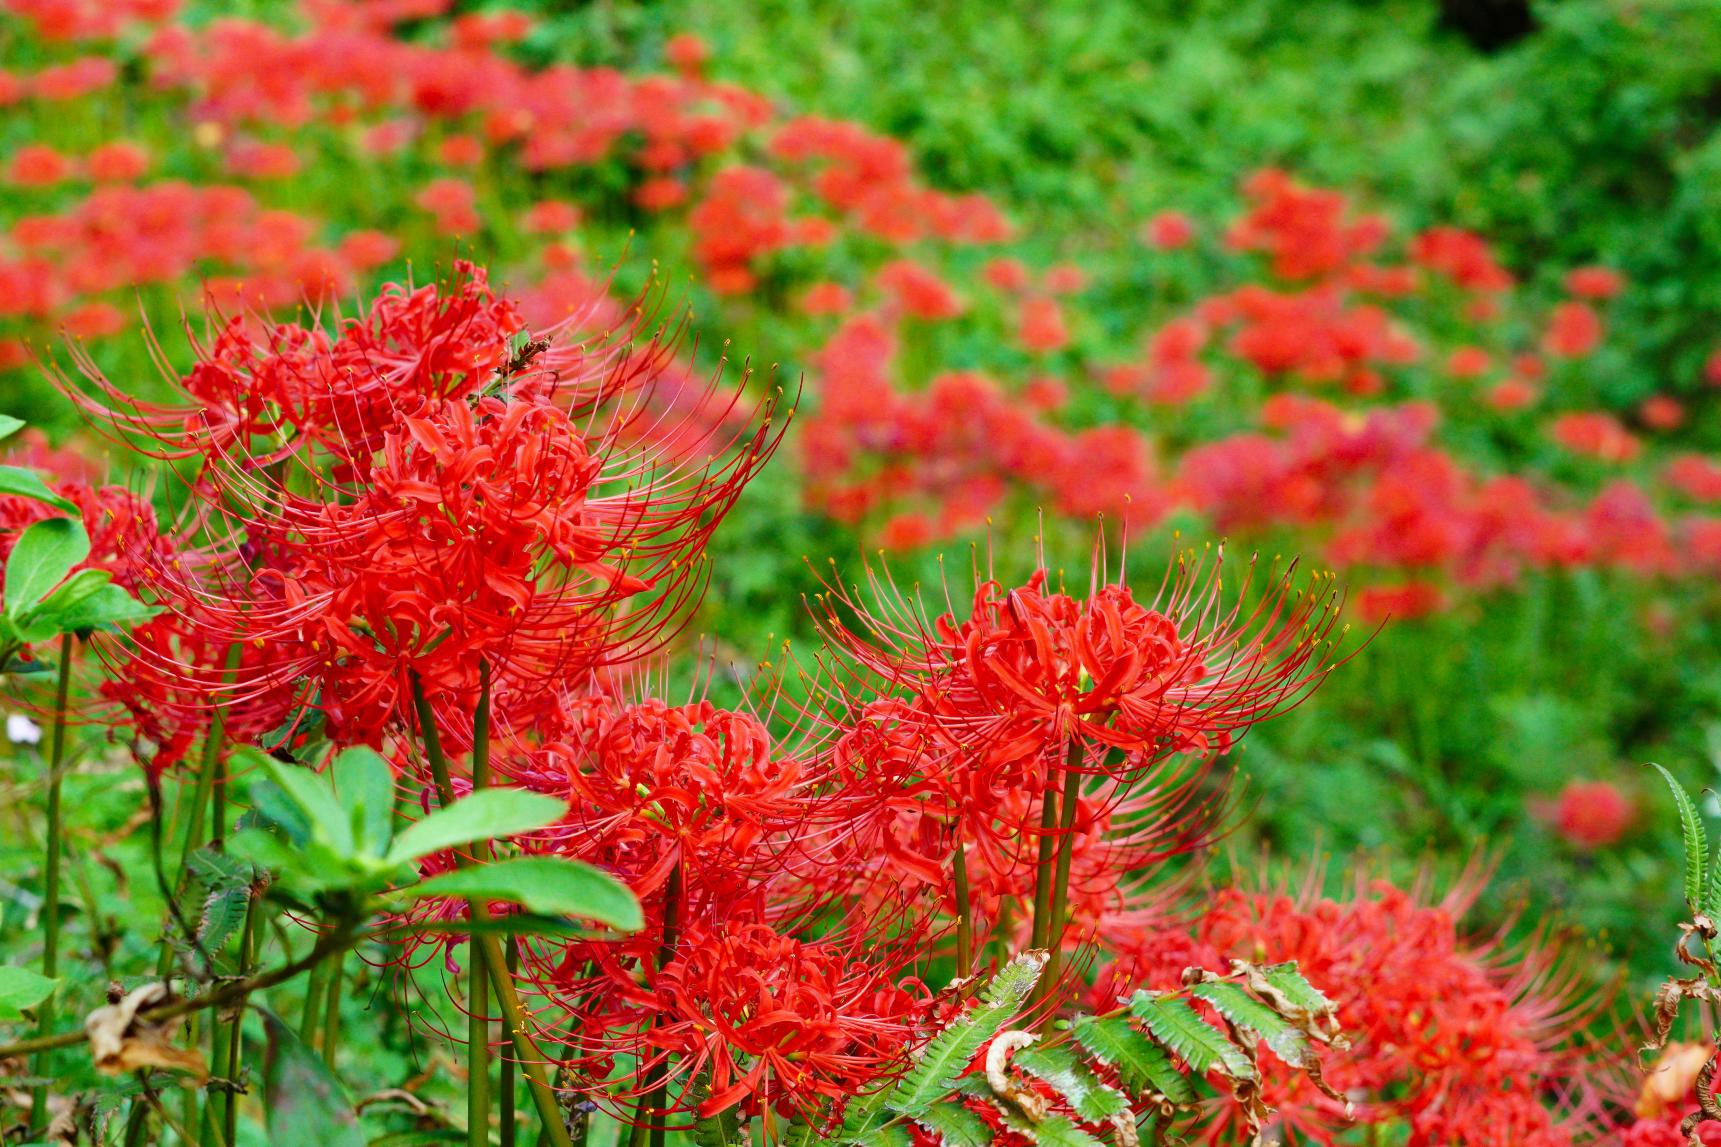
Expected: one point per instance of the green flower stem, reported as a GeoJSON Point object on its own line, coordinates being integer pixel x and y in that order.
{"type": "Point", "coordinates": [477, 998]}
{"type": "Point", "coordinates": [332, 1011]}
{"type": "Point", "coordinates": [964, 906]}
{"type": "Point", "coordinates": [51, 884]}
{"type": "Point", "coordinates": [1061, 880]}
{"type": "Point", "coordinates": [513, 1015]}
{"type": "Point", "coordinates": [506, 1096]}
{"type": "Point", "coordinates": [313, 998]}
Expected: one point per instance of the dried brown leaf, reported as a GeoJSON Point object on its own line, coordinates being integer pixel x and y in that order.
{"type": "Point", "coordinates": [122, 1040]}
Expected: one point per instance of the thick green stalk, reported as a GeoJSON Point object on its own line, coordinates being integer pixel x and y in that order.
{"type": "Point", "coordinates": [513, 1015]}
{"type": "Point", "coordinates": [1043, 864]}
{"type": "Point", "coordinates": [477, 998]}
{"type": "Point", "coordinates": [249, 943]}
{"type": "Point", "coordinates": [510, 1118]}
{"type": "Point", "coordinates": [313, 1003]}
{"type": "Point", "coordinates": [1061, 879]}
{"type": "Point", "coordinates": [332, 1012]}
{"type": "Point", "coordinates": [964, 906]}
{"type": "Point", "coordinates": [51, 883]}
{"type": "Point", "coordinates": [657, 1097]}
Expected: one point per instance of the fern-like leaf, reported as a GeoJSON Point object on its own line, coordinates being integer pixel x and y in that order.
{"type": "Point", "coordinates": [948, 1054]}
{"type": "Point", "coordinates": [1140, 1063]}
{"type": "Point", "coordinates": [1088, 1096]}
{"type": "Point", "coordinates": [1052, 1131]}
{"type": "Point", "coordinates": [1173, 1023]}
{"type": "Point", "coordinates": [1284, 1039]}
{"type": "Point", "coordinates": [955, 1125]}
{"type": "Point", "coordinates": [1696, 843]}
{"type": "Point", "coordinates": [1712, 893]}
{"type": "Point", "coordinates": [720, 1130]}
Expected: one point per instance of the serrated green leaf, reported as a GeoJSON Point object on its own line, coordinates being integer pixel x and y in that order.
{"type": "Point", "coordinates": [1052, 1131]}
{"type": "Point", "coordinates": [483, 815]}
{"type": "Point", "coordinates": [1712, 893]}
{"type": "Point", "coordinates": [1282, 1038]}
{"type": "Point", "coordinates": [1142, 1065]}
{"type": "Point", "coordinates": [948, 1054]}
{"type": "Point", "coordinates": [1177, 1027]}
{"type": "Point", "coordinates": [720, 1130]}
{"type": "Point", "coordinates": [1088, 1095]}
{"type": "Point", "coordinates": [21, 988]}
{"type": "Point", "coordinates": [1289, 981]}
{"type": "Point", "coordinates": [41, 558]}
{"type": "Point", "coordinates": [886, 1135]}
{"type": "Point", "coordinates": [551, 885]}
{"type": "Point", "coordinates": [955, 1125]}
{"type": "Point", "coordinates": [223, 913]}
{"type": "Point", "coordinates": [1692, 834]}
{"type": "Point", "coordinates": [22, 483]}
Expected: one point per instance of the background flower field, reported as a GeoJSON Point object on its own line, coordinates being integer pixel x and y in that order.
{"type": "Point", "coordinates": [1326, 281]}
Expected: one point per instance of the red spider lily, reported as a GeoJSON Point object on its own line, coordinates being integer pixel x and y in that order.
{"type": "Point", "coordinates": [1465, 1043]}
{"type": "Point", "coordinates": [1031, 669]}
{"type": "Point", "coordinates": [461, 500]}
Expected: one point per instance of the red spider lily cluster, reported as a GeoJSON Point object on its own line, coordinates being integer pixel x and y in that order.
{"type": "Point", "coordinates": [1455, 1042]}
{"type": "Point", "coordinates": [1333, 364]}
{"type": "Point", "coordinates": [427, 527]}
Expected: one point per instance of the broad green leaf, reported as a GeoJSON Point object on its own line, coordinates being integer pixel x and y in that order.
{"type": "Point", "coordinates": [74, 591]}
{"type": "Point", "coordinates": [1696, 843]}
{"type": "Point", "coordinates": [21, 483]}
{"type": "Point", "coordinates": [1142, 1064]}
{"type": "Point", "coordinates": [365, 784]}
{"type": "Point", "coordinates": [43, 556]}
{"type": "Point", "coordinates": [306, 1105]}
{"type": "Point", "coordinates": [549, 885]}
{"type": "Point", "coordinates": [1283, 1038]}
{"type": "Point", "coordinates": [484, 815]}
{"type": "Point", "coordinates": [271, 805]}
{"type": "Point", "coordinates": [955, 1125]}
{"type": "Point", "coordinates": [9, 425]}
{"type": "Point", "coordinates": [948, 1054]}
{"type": "Point", "coordinates": [21, 988]}
{"type": "Point", "coordinates": [1177, 1027]}
{"type": "Point", "coordinates": [329, 821]}
{"type": "Point", "coordinates": [108, 606]}
{"type": "Point", "coordinates": [1088, 1095]}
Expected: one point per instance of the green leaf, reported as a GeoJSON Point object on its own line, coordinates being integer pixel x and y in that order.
{"type": "Point", "coordinates": [1696, 843]}
{"type": "Point", "coordinates": [1289, 981]}
{"type": "Point", "coordinates": [365, 784]}
{"type": "Point", "coordinates": [21, 483]}
{"type": "Point", "coordinates": [550, 885]}
{"type": "Point", "coordinates": [1052, 1131]}
{"type": "Point", "coordinates": [223, 913]}
{"type": "Point", "coordinates": [948, 1054]}
{"type": "Point", "coordinates": [1143, 1065]}
{"type": "Point", "coordinates": [1283, 1038]}
{"type": "Point", "coordinates": [720, 1130]}
{"type": "Point", "coordinates": [9, 425]}
{"type": "Point", "coordinates": [306, 1105]}
{"type": "Point", "coordinates": [108, 606]}
{"type": "Point", "coordinates": [74, 591]}
{"type": "Point", "coordinates": [1088, 1095]}
{"type": "Point", "coordinates": [1177, 1026]}
{"type": "Point", "coordinates": [1712, 893]}
{"type": "Point", "coordinates": [43, 556]}
{"type": "Point", "coordinates": [484, 815]}
{"type": "Point", "coordinates": [328, 820]}
{"type": "Point", "coordinates": [21, 988]}
{"type": "Point", "coordinates": [955, 1125]}
{"type": "Point", "coordinates": [888, 1135]}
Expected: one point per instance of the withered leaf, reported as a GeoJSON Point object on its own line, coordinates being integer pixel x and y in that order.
{"type": "Point", "coordinates": [121, 1040]}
